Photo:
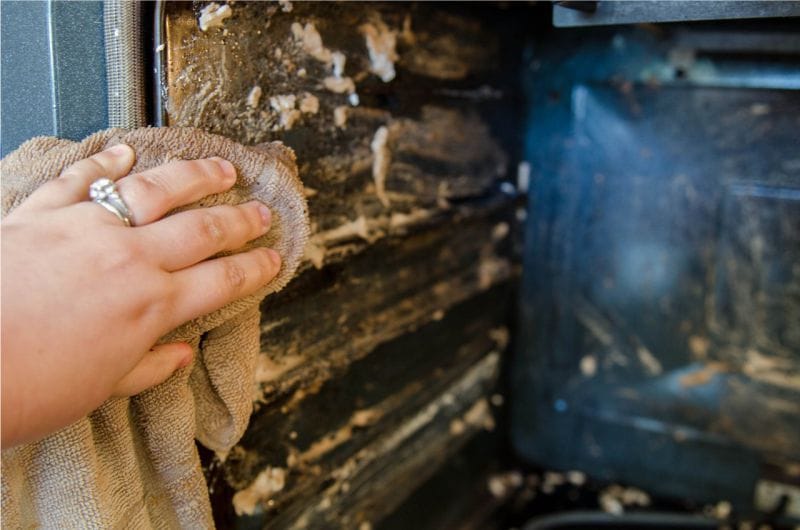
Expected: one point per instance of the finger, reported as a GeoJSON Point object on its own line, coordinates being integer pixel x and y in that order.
{"type": "Point", "coordinates": [212, 284]}
{"type": "Point", "coordinates": [152, 193]}
{"type": "Point", "coordinates": [155, 367]}
{"type": "Point", "coordinates": [72, 185]}
{"type": "Point", "coordinates": [187, 238]}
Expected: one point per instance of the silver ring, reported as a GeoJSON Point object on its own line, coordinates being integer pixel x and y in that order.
{"type": "Point", "coordinates": [104, 192]}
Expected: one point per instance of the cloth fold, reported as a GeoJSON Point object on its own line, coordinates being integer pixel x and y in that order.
{"type": "Point", "coordinates": [133, 462]}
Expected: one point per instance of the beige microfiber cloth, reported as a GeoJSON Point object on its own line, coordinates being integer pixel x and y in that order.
{"type": "Point", "coordinates": [133, 462]}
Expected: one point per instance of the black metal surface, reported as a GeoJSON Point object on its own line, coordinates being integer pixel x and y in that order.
{"type": "Point", "coordinates": [646, 11]}
{"type": "Point", "coordinates": [661, 301]}
{"type": "Point", "coordinates": [53, 70]}
{"type": "Point", "coordinates": [27, 108]}
{"type": "Point", "coordinates": [579, 520]}
{"type": "Point", "coordinates": [159, 59]}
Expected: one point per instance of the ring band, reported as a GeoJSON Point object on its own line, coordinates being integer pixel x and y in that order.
{"type": "Point", "coordinates": [104, 192]}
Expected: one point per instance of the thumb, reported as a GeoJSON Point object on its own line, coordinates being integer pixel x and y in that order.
{"type": "Point", "coordinates": [155, 367]}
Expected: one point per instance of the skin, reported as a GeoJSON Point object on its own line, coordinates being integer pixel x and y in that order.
{"type": "Point", "coordinates": [85, 298]}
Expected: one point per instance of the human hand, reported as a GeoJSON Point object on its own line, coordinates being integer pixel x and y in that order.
{"type": "Point", "coordinates": [85, 298]}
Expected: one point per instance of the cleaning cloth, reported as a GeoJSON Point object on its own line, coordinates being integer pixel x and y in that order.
{"type": "Point", "coordinates": [133, 462]}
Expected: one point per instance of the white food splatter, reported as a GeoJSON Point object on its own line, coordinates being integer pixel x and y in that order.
{"type": "Point", "coordinates": [382, 157]}
{"type": "Point", "coordinates": [268, 482]}
{"type": "Point", "coordinates": [309, 104]}
{"type": "Point", "coordinates": [381, 44]}
{"type": "Point", "coordinates": [340, 116]}
{"type": "Point", "coordinates": [285, 105]}
{"type": "Point", "coordinates": [213, 15]}
{"type": "Point", "coordinates": [254, 97]}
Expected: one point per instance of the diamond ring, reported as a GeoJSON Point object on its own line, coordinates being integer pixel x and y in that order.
{"type": "Point", "coordinates": [104, 192]}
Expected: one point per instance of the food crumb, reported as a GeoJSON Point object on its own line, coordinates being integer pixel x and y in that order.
{"type": "Point", "coordinates": [615, 498]}
{"type": "Point", "coordinates": [611, 505]}
{"type": "Point", "coordinates": [268, 482]}
{"type": "Point", "coordinates": [576, 478]}
{"type": "Point", "coordinates": [589, 365]}
{"type": "Point", "coordinates": [254, 97]}
{"type": "Point", "coordinates": [285, 105]}
{"type": "Point", "coordinates": [699, 346]}
{"type": "Point", "coordinates": [722, 510]}
{"type": "Point", "coordinates": [500, 231]}
{"type": "Point", "coordinates": [311, 40]}
{"type": "Point", "coordinates": [382, 158]}
{"type": "Point", "coordinates": [339, 85]}
{"type": "Point", "coordinates": [213, 15]}
{"type": "Point", "coordinates": [309, 104]}
{"type": "Point", "coordinates": [381, 44]}
{"type": "Point", "coordinates": [340, 116]}
{"type": "Point", "coordinates": [457, 427]}
{"type": "Point", "coordinates": [551, 481]}
{"type": "Point", "coordinates": [501, 485]}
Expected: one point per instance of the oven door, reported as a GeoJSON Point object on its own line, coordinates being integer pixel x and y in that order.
{"type": "Point", "coordinates": [660, 327]}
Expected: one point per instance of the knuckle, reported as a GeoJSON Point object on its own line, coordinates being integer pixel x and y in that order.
{"type": "Point", "coordinates": [193, 170]}
{"type": "Point", "coordinates": [122, 256]}
{"type": "Point", "coordinates": [265, 266]}
{"type": "Point", "coordinates": [94, 164]}
{"type": "Point", "coordinates": [207, 168]}
{"type": "Point", "coordinates": [256, 221]}
{"type": "Point", "coordinates": [159, 306]}
{"type": "Point", "coordinates": [239, 224]}
{"type": "Point", "coordinates": [149, 372]}
{"type": "Point", "coordinates": [79, 168]}
{"type": "Point", "coordinates": [212, 228]}
{"type": "Point", "coordinates": [247, 220]}
{"type": "Point", "coordinates": [68, 172]}
{"type": "Point", "coordinates": [155, 183]}
{"type": "Point", "coordinates": [234, 275]}
{"type": "Point", "coordinates": [124, 264]}
{"type": "Point", "coordinates": [73, 170]}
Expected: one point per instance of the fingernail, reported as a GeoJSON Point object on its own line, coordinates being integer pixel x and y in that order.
{"type": "Point", "coordinates": [119, 150]}
{"type": "Point", "coordinates": [227, 167]}
{"type": "Point", "coordinates": [266, 215]}
{"type": "Point", "coordinates": [275, 258]}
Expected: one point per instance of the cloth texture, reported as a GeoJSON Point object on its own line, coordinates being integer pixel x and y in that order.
{"type": "Point", "coordinates": [133, 462]}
